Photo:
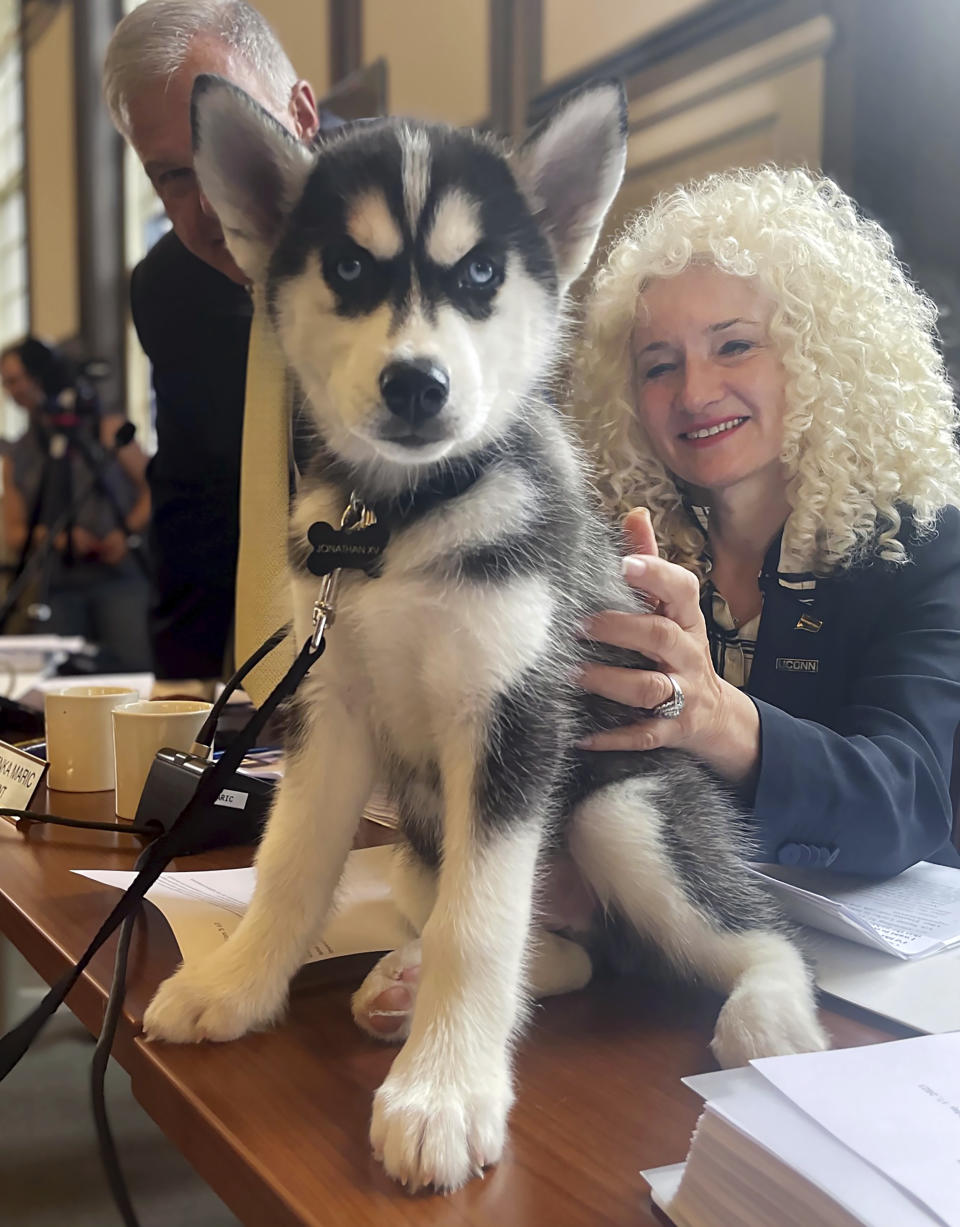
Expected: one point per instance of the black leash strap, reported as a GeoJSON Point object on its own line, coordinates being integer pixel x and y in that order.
{"type": "Point", "coordinates": [200, 810]}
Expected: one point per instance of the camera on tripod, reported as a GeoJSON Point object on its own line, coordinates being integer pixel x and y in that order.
{"type": "Point", "coordinates": [76, 405]}
{"type": "Point", "coordinates": [75, 496]}
{"type": "Point", "coordinates": [67, 423]}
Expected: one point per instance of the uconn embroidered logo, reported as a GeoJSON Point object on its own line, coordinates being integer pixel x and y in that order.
{"type": "Point", "coordinates": [797, 664]}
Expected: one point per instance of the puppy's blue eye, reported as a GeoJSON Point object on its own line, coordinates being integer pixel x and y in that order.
{"type": "Point", "coordinates": [349, 269]}
{"type": "Point", "coordinates": [478, 272]}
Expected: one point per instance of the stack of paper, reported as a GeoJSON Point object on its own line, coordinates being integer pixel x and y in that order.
{"type": "Point", "coordinates": [32, 690]}
{"type": "Point", "coordinates": [39, 647]}
{"type": "Point", "coordinates": [25, 658]}
{"type": "Point", "coordinates": [862, 1137]}
{"type": "Point", "coordinates": [913, 915]}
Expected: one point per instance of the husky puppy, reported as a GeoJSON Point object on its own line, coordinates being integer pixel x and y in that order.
{"type": "Point", "coordinates": [415, 276]}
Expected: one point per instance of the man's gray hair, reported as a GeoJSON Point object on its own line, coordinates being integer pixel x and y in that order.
{"type": "Point", "coordinates": [152, 42]}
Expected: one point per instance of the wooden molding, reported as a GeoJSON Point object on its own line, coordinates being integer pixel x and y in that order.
{"type": "Point", "coordinates": [653, 49]}
{"type": "Point", "coordinates": [360, 95]}
{"type": "Point", "coordinates": [25, 173]}
{"type": "Point", "coordinates": [744, 68]}
{"type": "Point", "coordinates": [35, 17]}
{"type": "Point", "coordinates": [103, 282]}
{"type": "Point", "coordinates": [516, 52]}
{"type": "Point", "coordinates": [346, 39]}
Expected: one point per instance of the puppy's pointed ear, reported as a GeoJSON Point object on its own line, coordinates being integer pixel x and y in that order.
{"type": "Point", "coordinates": [571, 166]}
{"type": "Point", "coordinates": [250, 168]}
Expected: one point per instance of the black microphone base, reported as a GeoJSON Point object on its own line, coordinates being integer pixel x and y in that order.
{"type": "Point", "coordinates": [238, 816]}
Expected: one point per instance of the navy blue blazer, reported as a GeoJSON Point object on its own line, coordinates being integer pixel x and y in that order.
{"type": "Point", "coordinates": [859, 702]}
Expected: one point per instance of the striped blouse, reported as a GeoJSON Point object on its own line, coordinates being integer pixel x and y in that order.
{"type": "Point", "coordinates": [732, 646]}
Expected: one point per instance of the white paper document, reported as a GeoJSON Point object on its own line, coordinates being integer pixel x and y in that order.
{"type": "Point", "coordinates": [664, 1182]}
{"type": "Point", "coordinates": [915, 914]}
{"type": "Point", "coordinates": [919, 993]}
{"type": "Point", "coordinates": [896, 1105]}
{"type": "Point", "coordinates": [867, 1136]}
{"type": "Point", "coordinates": [204, 908]}
{"type": "Point", "coordinates": [32, 645]}
{"type": "Point", "coordinates": [31, 690]}
{"type": "Point", "coordinates": [796, 1154]}
{"type": "Point", "coordinates": [25, 659]}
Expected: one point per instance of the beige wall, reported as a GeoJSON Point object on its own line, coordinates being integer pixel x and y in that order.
{"type": "Point", "coordinates": [438, 52]}
{"type": "Point", "coordinates": [576, 33]}
{"type": "Point", "coordinates": [51, 169]}
{"type": "Point", "coordinates": [302, 26]}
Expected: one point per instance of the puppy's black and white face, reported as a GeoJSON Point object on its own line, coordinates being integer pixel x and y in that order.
{"type": "Point", "coordinates": [413, 293]}
{"type": "Point", "coordinates": [414, 272]}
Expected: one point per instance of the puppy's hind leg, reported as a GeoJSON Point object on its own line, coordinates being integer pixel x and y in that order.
{"type": "Point", "coordinates": [557, 965]}
{"type": "Point", "coordinates": [244, 983]}
{"type": "Point", "coordinates": [682, 882]}
{"type": "Point", "coordinates": [771, 1009]}
{"type": "Point", "coordinates": [383, 1005]}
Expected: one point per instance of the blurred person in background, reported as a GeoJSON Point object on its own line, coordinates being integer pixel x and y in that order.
{"type": "Point", "coordinates": [192, 308]}
{"type": "Point", "coordinates": [89, 581]}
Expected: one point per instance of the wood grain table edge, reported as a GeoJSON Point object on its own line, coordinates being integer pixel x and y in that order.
{"type": "Point", "coordinates": [51, 960]}
{"type": "Point", "coordinates": [223, 1161]}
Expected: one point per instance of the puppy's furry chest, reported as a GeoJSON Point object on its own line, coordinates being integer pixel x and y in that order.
{"type": "Point", "coordinates": [424, 651]}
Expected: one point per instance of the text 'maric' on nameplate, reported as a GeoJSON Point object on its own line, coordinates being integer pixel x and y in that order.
{"type": "Point", "coordinates": [20, 776]}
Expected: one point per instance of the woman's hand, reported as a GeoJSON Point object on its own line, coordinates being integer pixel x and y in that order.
{"type": "Point", "coordinates": [718, 723]}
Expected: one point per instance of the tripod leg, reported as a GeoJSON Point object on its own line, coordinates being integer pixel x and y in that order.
{"type": "Point", "coordinates": [33, 550]}
{"type": "Point", "coordinates": [96, 467]}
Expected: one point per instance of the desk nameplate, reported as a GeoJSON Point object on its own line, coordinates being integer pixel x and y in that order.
{"type": "Point", "coordinates": [21, 774]}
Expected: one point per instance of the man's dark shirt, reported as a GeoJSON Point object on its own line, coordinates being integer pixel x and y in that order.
{"type": "Point", "coordinates": [194, 326]}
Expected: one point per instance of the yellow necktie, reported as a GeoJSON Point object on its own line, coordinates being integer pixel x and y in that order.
{"type": "Point", "coordinates": [263, 588]}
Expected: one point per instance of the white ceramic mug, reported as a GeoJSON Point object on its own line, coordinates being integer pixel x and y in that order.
{"type": "Point", "coordinates": [139, 731]}
{"type": "Point", "coordinates": [79, 736]}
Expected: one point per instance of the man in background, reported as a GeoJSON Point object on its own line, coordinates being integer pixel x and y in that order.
{"type": "Point", "coordinates": [192, 309]}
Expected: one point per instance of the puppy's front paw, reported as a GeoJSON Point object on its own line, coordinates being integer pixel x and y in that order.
{"type": "Point", "coordinates": [211, 1000]}
{"type": "Point", "coordinates": [436, 1129]}
{"type": "Point", "coordinates": [766, 1023]}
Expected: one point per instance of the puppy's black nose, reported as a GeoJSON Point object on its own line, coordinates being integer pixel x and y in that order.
{"type": "Point", "coordinates": [414, 390]}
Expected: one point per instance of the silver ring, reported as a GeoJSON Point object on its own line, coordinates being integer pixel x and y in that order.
{"type": "Point", "coordinates": [670, 708]}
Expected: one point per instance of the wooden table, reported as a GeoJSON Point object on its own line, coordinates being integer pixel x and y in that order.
{"type": "Point", "coordinates": [277, 1122]}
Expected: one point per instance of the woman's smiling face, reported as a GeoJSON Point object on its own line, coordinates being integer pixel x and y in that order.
{"type": "Point", "coordinates": [709, 385]}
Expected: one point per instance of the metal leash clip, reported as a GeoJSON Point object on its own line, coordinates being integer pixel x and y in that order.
{"type": "Point", "coordinates": [356, 515]}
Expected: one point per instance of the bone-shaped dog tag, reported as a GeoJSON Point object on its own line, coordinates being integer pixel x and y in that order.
{"type": "Point", "coordinates": [354, 549]}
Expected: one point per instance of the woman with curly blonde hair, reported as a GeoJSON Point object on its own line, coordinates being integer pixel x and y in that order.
{"type": "Point", "coordinates": [759, 375]}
